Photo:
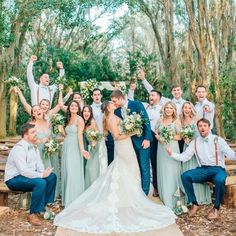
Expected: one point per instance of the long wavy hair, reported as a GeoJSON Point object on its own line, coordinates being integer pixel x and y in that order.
{"type": "Point", "coordinates": [68, 113]}
{"type": "Point", "coordinates": [174, 116]}
{"type": "Point", "coordinates": [89, 121]}
{"type": "Point", "coordinates": [192, 115]}
{"type": "Point", "coordinates": [105, 112]}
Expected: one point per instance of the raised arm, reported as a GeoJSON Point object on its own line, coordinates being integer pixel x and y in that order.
{"type": "Point", "coordinates": [131, 91]}
{"type": "Point", "coordinates": [60, 100]}
{"type": "Point", "coordinates": [61, 69]}
{"type": "Point", "coordinates": [146, 84]}
{"type": "Point", "coordinates": [30, 75]}
{"type": "Point", "coordinates": [23, 101]}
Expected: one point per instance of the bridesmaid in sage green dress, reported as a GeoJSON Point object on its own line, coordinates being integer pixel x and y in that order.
{"type": "Point", "coordinates": [188, 118]}
{"type": "Point", "coordinates": [168, 169]}
{"type": "Point", "coordinates": [92, 167]}
{"type": "Point", "coordinates": [72, 167]}
{"type": "Point", "coordinates": [44, 134]}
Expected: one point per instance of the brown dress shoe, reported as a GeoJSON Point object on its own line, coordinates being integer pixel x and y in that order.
{"type": "Point", "coordinates": [214, 214]}
{"type": "Point", "coordinates": [34, 219]}
{"type": "Point", "coordinates": [193, 211]}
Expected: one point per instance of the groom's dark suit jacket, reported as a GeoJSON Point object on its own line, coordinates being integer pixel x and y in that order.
{"type": "Point", "coordinates": [137, 106]}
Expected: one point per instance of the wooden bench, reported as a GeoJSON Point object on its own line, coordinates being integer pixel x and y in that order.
{"type": "Point", "coordinates": [25, 197]}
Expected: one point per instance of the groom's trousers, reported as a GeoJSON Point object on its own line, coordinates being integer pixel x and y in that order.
{"type": "Point", "coordinates": [143, 156]}
{"type": "Point", "coordinates": [215, 174]}
{"type": "Point", "coordinates": [43, 190]}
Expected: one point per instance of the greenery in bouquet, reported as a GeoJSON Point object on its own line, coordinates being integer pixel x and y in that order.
{"type": "Point", "coordinates": [93, 136]}
{"type": "Point", "coordinates": [133, 124]}
{"type": "Point", "coordinates": [50, 148]}
{"type": "Point", "coordinates": [57, 120]}
{"type": "Point", "coordinates": [61, 80]}
{"type": "Point", "coordinates": [91, 84]}
{"type": "Point", "coordinates": [166, 135]}
{"type": "Point", "coordinates": [14, 82]}
{"type": "Point", "coordinates": [187, 131]}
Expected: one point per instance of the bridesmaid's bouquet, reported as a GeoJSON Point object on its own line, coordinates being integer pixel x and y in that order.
{"type": "Point", "coordinates": [187, 131]}
{"type": "Point", "coordinates": [51, 147]}
{"type": "Point", "coordinates": [133, 124]}
{"type": "Point", "coordinates": [93, 136]}
{"type": "Point", "coordinates": [61, 80]}
{"type": "Point", "coordinates": [14, 82]}
{"type": "Point", "coordinates": [166, 135]}
{"type": "Point", "coordinates": [57, 120]}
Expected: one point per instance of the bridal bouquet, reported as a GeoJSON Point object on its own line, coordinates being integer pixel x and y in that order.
{"type": "Point", "coordinates": [56, 120]}
{"type": "Point", "coordinates": [93, 136]}
{"type": "Point", "coordinates": [166, 135]}
{"type": "Point", "coordinates": [50, 147]}
{"type": "Point", "coordinates": [60, 80]}
{"type": "Point", "coordinates": [133, 124]}
{"type": "Point", "coordinates": [187, 131]}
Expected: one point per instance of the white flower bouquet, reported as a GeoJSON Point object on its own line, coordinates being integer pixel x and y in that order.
{"type": "Point", "coordinates": [14, 82]}
{"type": "Point", "coordinates": [93, 136]}
{"type": "Point", "coordinates": [91, 84]}
{"type": "Point", "coordinates": [60, 80]}
{"type": "Point", "coordinates": [133, 124]}
{"type": "Point", "coordinates": [56, 120]}
{"type": "Point", "coordinates": [51, 147]}
{"type": "Point", "coordinates": [187, 131]}
{"type": "Point", "coordinates": [166, 135]}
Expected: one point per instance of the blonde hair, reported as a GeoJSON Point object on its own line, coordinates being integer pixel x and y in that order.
{"type": "Point", "coordinates": [192, 115]}
{"type": "Point", "coordinates": [174, 115]}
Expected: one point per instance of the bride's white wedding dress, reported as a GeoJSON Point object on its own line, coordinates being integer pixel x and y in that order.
{"type": "Point", "coordinates": [115, 202]}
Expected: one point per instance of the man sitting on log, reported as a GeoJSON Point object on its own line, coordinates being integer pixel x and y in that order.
{"type": "Point", "coordinates": [210, 151]}
{"type": "Point", "coordinates": [25, 172]}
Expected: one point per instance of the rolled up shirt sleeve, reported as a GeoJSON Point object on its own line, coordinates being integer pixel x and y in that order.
{"type": "Point", "coordinates": [226, 150]}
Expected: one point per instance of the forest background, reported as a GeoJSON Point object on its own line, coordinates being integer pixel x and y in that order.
{"type": "Point", "coordinates": [186, 42]}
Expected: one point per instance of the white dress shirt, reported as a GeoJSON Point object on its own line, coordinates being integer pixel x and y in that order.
{"type": "Point", "coordinates": [97, 115]}
{"type": "Point", "coordinates": [202, 114]}
{"type": "Point", "coordinates": [149, 88]}
{"type": "Point", "coordinates": [153, 112]}
{"type": "Point", "coordinates": [206, 154]}
{"type": "Point", "coordinates": [39, 91]}
{"type": "Point", "coordinates": [24, 159]}
{"type": "Point", "coordinates": [179, 103]}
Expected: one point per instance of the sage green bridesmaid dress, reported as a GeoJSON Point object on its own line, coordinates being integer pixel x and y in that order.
{"type": "Point", "coordinates": [72, 167]}
{"type": "Point", "coordinates": [168, 170]}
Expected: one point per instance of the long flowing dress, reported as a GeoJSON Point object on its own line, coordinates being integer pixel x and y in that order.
{"type": "Point", "coordinates": [92, 167]}
{"type": "Point", "coordinates": [168, 170]}
{"type": "Point", "coordinates": [115, 202]}
{"type": "Point", "coordinates": [202, 191]}
{"type": "Point", "coordinates": [72, 166]}
{"type": "Point", "coordinates": [50, 161]}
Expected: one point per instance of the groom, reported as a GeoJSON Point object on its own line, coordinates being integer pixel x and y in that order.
{"type": "Point", "coordinates": [141, 144]}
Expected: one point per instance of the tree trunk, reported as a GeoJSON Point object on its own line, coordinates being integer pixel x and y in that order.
{"type": "Point", "coordinates": [13, 112]}
{"type": "Point", "coordinates": [3, 106]}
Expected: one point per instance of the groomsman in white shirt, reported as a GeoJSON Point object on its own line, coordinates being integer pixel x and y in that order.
{"type": "Point", "coordinates": [98, 116]}
{"type": "Point", "coordinates": [42, 90]}
{"type": "Point", "coordinates": [210, 151]}
{"type": "Point", "coordinates": [204, 108]}
{"type": "Point", "coordinates": [24, 171]}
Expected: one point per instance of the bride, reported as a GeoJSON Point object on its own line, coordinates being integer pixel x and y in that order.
{"type": "Point", "coordinates": [115, 202]}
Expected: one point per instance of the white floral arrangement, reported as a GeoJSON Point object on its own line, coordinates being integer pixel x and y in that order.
{"type": "Point", "coordinates": [91, 84]}
{"type": "Point", "coordinates": [93, 136]}
{"type": "Point", "coordinates": [14, 82]}
{"type": "Point", "coordinates": [166, 135]}
{"type": "Point", "coordinates": [133, 124]}
{"type": "Point", "coordinates": [187, 131]}
{"type": "Point", "coordinates": [51, 147]}
{"type": "Point", "coordinates": [56, 120]}
{"type": "Point", "coordinates": [180, 208]}
{"type": "Point", "coordinates": [61, 80]}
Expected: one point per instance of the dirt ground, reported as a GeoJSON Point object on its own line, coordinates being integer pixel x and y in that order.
{"type": "Point", "coordinates": [14, 223]}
